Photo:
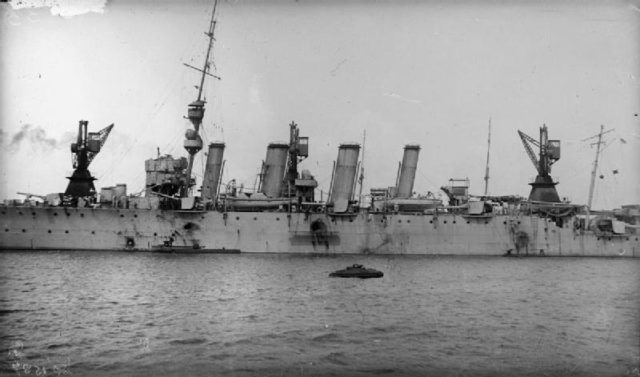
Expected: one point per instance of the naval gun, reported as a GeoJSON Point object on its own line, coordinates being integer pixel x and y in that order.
{"type": "Point", "coordinates": [83, 151]}
{"type": "Point", "coordinates": [29, 195]}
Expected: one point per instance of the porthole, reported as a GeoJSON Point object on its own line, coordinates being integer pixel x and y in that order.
{"type": "Point", "coordinates": [518, 222]}
{"type": "Point", "coordinates": [468, 222]}
{"type": "Point", "coordinates": [4, 213]}
{"type": "Point", "coordinates": [55, 214]}
{"type": "Point", "coordinates": [430, 221]}
{"type": "Point", "coordinates": [399, 221]}
{"type": "Point", "coordinates": [33, 213]}
{"type": "Point", "coordinates": [237, 217]}
{"type": "Point", "coordinates": [255, 219]}
{"type": "Point", "coordinates": [121, 215]}
{"type": "Point", "coordinates": [82, 215]}
{"type": "Point", "coordinates": [6, 230]}
{"type": "Point", "coordinates": [504, 222]}
{"type": "Point", "coordinates": [19, 213]}
{"type": "Point", "coordinates": [408, 221]}
{"type": "Point", "coordinates": [350, 220]}
{"type": "Point", "coordinates": [277, 219]}
{"type": "Point", "coordinates": [66, 231]}
{"type": "Point", "coordinates": [135, 215]}
{"type": "Point", "coordinates": [445, 221]}
{"type": "Point", "coordinates": [24, 230]}
{"type": "Point", "coordinates": [93, 232]}
{"type": "Point", "coordinates": [49, 231]}
{"type": "Point", "coordinates": [454, 221]}
{"type": "Point", "coordinates": [155, 234]}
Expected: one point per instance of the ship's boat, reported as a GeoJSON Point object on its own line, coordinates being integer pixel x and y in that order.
{"type": "Point", "coordinates": [357, 271]}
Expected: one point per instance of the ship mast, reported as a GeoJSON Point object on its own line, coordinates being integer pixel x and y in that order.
{"type": "Point", "coordinates": [486, 173]}
{"type": "Point", "coordinates": [595, 165]}
{"type": "Point", "coordinates": [593, 172]}
{"type": "Point", "coordinates": [195, 112]}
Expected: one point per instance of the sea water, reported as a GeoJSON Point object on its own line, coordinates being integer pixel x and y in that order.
{"type": "Point", "coordinates": [118, 314]}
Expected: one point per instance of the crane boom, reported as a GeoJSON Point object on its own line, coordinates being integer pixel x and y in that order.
{"type": "Point", "coordinates": [101, 136]}
{"type": "Point", "coordinates": [526, 139]}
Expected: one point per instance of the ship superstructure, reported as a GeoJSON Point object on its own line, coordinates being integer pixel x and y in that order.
{"type": "Point", "coordinates": [284, 214]}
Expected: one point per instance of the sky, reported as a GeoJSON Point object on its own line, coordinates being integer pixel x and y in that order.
{"type": "Point", "coordinates": [405, 72]}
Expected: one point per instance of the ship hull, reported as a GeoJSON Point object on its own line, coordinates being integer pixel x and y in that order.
{"type": "Point", "coordinates": [60, 228]}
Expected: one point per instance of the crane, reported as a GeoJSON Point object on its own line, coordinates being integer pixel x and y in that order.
{"type": "Point", "coordinates": [549, 151]}
{"type": "Point", "coordinates": [84, 150]}
{"type": "Point", "coordinates": [543, 188]}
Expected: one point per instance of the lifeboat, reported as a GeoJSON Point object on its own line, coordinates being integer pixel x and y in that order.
{"type": "Point", "coordinates": [357, 271]}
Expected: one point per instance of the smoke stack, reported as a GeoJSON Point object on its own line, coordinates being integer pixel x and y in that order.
{"type": "Point", "coordinates": [212, 172]}
{"type": "Point", "coordinates": [344, 176]}
{"type": "Point", "coordinates": [274, 168]}
{"type": "Point", "coordinates": [408, 171]}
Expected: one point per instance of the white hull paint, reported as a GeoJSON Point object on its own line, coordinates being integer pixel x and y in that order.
{"type": "Point", "coordinates": [59, 228]}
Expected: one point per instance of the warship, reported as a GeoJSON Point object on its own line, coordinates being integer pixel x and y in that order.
{"type": "Point", "coordinates": [283, 215]}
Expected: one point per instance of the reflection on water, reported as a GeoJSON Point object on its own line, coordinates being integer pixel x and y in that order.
{"type": "Point", "coordinates": [113, 314]}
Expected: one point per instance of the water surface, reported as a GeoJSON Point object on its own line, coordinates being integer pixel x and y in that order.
{"type": "Point", "coordinates": [116, 314]}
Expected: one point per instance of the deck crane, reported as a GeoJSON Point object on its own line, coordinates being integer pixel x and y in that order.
{"type": "Point", "coordinates": [84, 150]}
{"type": "Point", "coordinates": [543, 188]}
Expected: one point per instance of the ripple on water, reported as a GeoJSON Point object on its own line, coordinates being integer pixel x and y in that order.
{"type": "Point", "coordinates": [377, 371]}
{"type": "Point", "coordinates": [336, 358]}
{"type": "Point", "coordinates": [327, 338]}
{"type": "Point", "coordinates": [59, 345]}
{"type": "Point", "coordinates": [188, 341]}
{"type": "Point", "coordinates": [6, 312]}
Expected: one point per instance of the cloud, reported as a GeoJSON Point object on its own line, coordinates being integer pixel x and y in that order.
{"type": "Point", "coordinates": [36, 136]}
{"type": "Point", "coordinates": [63, 8]}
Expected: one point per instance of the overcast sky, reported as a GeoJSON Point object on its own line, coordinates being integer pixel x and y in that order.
{"type": "Point", "coordinates": [431, 73]}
